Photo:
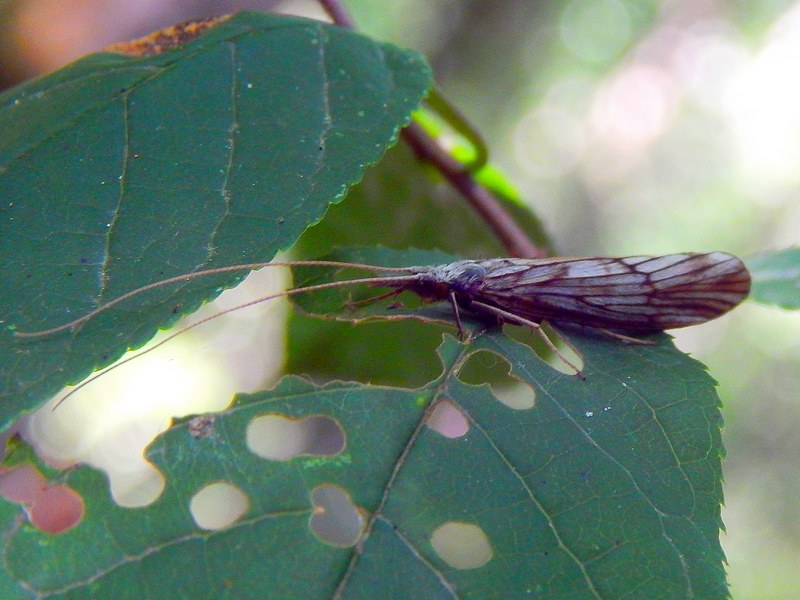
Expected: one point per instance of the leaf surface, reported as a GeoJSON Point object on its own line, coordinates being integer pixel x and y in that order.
{"type": "Point", "coordinates": [607, 487]}
{"type": "Point", "coordinates": [117, 172]}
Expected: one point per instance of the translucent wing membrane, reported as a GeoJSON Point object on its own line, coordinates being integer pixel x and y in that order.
{"type": "Point", "coordinates": [638, 293]}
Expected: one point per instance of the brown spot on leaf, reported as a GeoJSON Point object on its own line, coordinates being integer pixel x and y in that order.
{"type": "Point", "coordinates": [166, 39]}
{"type": "Point", "coordinates": [201, 426]}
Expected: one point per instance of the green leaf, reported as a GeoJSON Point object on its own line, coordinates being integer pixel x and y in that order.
{"type": "Point", "coordinates": [606, 487]}
{"type": "Point", "coordinates": [776, 277]}
{"type": "Point", "coordinates": [117, 172]}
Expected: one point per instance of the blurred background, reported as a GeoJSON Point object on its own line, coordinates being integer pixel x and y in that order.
{"type": "Point", "coordinates": [629, 127]}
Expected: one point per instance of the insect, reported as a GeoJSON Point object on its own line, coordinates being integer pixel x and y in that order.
{"type": "Point", "coordinates": [619, 296]}
{"type": "Point", "coordinates": [636, 294]}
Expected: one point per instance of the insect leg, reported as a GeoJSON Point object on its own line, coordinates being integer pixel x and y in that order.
{"type": "Point", "coordinates": [353, 304]}
{"type": "Point", "coordinates": [510, 317]}
{"type": "Point", "coordinates": [626, 338]}
{"type": "Point", "coordinates": [452, 299]}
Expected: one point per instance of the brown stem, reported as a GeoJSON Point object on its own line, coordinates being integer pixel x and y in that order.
{"type": "Point", "coordinates": [511, 235]}
{"type": "Point", "coordinates": [514, 239]}
{"type": "Point", "coordinates": [337, 13]}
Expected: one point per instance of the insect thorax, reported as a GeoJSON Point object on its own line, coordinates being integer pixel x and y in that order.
{"type": "Point", "coordinates": [438, 283]}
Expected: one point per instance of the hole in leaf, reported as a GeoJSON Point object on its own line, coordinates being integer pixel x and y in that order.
{"type": "Point", "coordinates": [57, 509]}
{"type": "Point", "coordinates": [218, 505]}
{"type": "Point", "coordinates": [461, 545]}
{"type": "Point", "coordinates": [22, 485]}
{"type": "Point", "coordinates": [137, 486]}
{"type": "Point", "coordinates": [51, 509]}
{"type": "Point", "coordinates": [484, 366]}
{"type": "Point", "coordinates": [448, 420]}
{"type": "Point", "coordinates": [335, 519]}
{"type": "Point", "coordinates": [534, 339]}
{"type": "Point", "coordinates": [277, 437]}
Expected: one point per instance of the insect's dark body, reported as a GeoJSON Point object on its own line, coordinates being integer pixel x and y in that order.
{"type": "Point", "coordinates": [634, 294]}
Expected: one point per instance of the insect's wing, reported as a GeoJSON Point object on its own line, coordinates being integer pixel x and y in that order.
{"type": "Point", "coordinates": [637, 293]}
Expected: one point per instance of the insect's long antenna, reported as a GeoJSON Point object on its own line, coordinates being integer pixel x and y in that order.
{"type": "Point", "coordinates": [196, 274]}
{"type": "Point", "coordinates": [308, 288]}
